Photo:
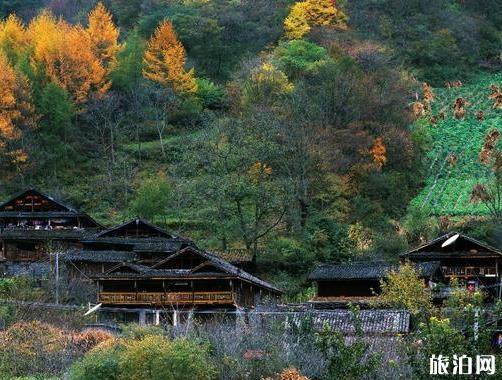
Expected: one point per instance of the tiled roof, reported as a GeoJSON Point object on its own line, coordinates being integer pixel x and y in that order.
{"type": "Point", "coordinates": [31, 233]}
{"type": "Point", "coordinates": [169, 245]}
{"type": "Point", "coordinates": [372, 321]}
{"type": "Point", "coordinates": [100, 256]}
{"type": "Point", "coordinates": [463, 246]}
{"type": "Point", "coordinates": [227, 270]}
{"type": "Point", "coordinates": [369, 271]}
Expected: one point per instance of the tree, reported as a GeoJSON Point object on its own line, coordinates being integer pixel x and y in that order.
{"type": "Point", "coordinates": [306, 14]}
{"type": "Point", "coordinates": [104, 36]}
{"type": "Point", "coordinates": [296, 24]}
{"type": "Point", "coordinates": [13, 38]}
{"type": "Point", "coordinates": [127, 72]}
{"type": "Point", "coordinates": [379, 153]}
{"type": "Point", "coordinates": [404, 289]}
{"type": "Point", "coordinates": [490, 193]}
{"type": "Point", "coordinates": [16, 111]}
{"type": "Point", "coordinates": [165, 59]}
{"type": "Point", "coordinates": [152, 197]}
{"type": "Point", "coordinates": [64, 53]}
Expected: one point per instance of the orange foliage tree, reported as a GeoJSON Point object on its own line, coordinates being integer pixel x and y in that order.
{"type": "Point", "coordinates": [65, 54]}
{"type": "Point", "coordinates": [165, 59]}
{"type": "Point", "coordinates": [379, 152]}
{"type": "Point", "coordinates": [104, 36]}
{"type": "Point", "coordinates": [16, 110]}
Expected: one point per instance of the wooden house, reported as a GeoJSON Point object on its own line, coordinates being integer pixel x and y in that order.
{"type": "Point", "coordinates": [190, 278]}
{"type": "Point", "coordinates": [337, 285]}
{"type": "Point", "coordinates": [136, 242]}
{"type": "Point", "coordinates": [472, 262]}
{"type": "Point", "coordinates": [32, 224]}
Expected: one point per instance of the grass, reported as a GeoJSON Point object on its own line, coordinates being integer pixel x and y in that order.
{"type": "Point", "coordinates": [447, 188]}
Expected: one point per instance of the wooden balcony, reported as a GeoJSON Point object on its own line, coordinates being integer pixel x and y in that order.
{"type": "Point", "coordinates": [147, 298]}
{"type": "Point", "coordinates": [457, 271]}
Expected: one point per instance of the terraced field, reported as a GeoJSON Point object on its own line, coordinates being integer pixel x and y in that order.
{"type": "Point", "coordinates": [449, 183]}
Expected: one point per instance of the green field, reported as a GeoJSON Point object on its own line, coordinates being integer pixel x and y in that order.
{"type": "Point", "coordinates": [447, 189]}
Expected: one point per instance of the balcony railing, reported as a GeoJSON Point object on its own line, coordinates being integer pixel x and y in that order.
{"type": "Point", "coordinates": [148, 298]}
{"type": "Point", "coordinates": [470, 271]}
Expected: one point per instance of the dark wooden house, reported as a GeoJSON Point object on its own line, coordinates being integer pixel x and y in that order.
{"type": "Point", "coordinates": [190, 278]}
{"type": "Point", "coordinates": [359, 282]}
{"type": "Point", "coordinates": [32, 224]}
{"type": "Point", "coordinates": [472, 262]}
{"type": "Point", "coordinates": [136, 242]}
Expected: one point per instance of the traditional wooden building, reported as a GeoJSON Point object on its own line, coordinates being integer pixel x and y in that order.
{"type": "Point", "coordinates": [470, 261]}
{"type": "Point", "coordinates": [136, 242]}
{"type": "Point", "coordinates": [190, 278]}
{"type": "Point", "coordinates": [337, 285]}
{"type": "Point", "coordinates": [32, 224]}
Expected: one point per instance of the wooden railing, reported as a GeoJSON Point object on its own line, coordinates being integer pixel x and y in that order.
{"type": "Point", "coordinates": [469, 271]}
{"type": "Point", "coordinates": [148, 298]}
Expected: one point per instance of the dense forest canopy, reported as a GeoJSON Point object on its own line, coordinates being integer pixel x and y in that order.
{"type": "Point", "coordinates": [284, 128]}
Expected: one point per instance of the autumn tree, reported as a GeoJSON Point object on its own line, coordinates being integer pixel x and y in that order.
{"type": "Point", "coordinates": [379, 153]}
{"type": "Point", "coordinates": [16, 110]}
{"type": "Point", "coordinates": [403, 288]}
{"type": "Point", "coordinates": [13, 38]}
{"type": "Point", "coordinates": [104, 36]}
{"type": "Point", "coordinates": [306, 14]}
{"type": "Point", "coordinates": [165, 59]}
{"type": "Point", "coordinates": [64, 53]}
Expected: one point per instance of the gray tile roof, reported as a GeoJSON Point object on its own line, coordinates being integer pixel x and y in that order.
{"type": "Point", "coordinates": [227, 270]}
{"type": "Point", "coordinates": [100, 256]}
{"type": "Point", "coordinates": [366, 271]}
{"type": "Point", "coordinates": [372, 321]}
{"type": "Point", "coordinates": [433, 249]}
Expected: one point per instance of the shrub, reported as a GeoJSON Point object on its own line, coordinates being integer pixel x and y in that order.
{"type": "Point", "coordinates": [155, 357]}
{"type": "Point", "coordinates": [100, 363]}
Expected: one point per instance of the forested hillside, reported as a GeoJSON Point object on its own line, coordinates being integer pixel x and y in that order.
{"type": "Point", "coordinates": [281, 128]}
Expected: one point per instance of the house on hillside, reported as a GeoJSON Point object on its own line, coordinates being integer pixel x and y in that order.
{"type": "Point", "coordinates": [472, 262]}
{"type": "Point", "coordinates": [32, 225]}
{"type": "Point", "coordinates": [357, 283]}
{"type": "Point", "coordinates": [136, 241]}
{"type": "Point", "coordinates": [190, 279]}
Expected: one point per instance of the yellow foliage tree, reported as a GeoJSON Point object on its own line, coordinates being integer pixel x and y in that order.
{"type": "Point", "coordinates": [104, 36]}
{"type": "Point", "coordinates": [379, 153]}
{"type": "Point", "coordinates": [403, 288]}
{"type": "Point", "coordinates": [16, 110]}
{"type": "Point", "coordinates": [308, 13]}
{"type": "Point", "coordinates": [296, 24]}
{"type": "Point", "coordinates": [13, 38]}
{"type": "Point", "coordinates": [65, 54]}
{"type": "Point", "coordinates": [165, 59]}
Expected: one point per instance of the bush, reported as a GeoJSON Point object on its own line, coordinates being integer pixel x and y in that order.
{"type": "Point", "coordinates": [100, 363]}
{"type": "Point", "coordinates": [152, 357]}
{"type": "Point", "coordinates": [211, 95]}
{"type": "Point", "coordinates": [298, 57]}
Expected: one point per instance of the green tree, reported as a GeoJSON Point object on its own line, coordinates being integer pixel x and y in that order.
{"type": "Point", "coordinates": [152, 198]}
{"type": "Point", "coordinates": [403, 288]}
{"type": "Point", "coordinates": [128, 71]}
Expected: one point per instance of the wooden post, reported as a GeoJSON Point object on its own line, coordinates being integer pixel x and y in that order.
{"type": "Point", "coordinates": [175, 318]}
{"type": "Point", "coordinates": [157, 317]}
{"type": "Point", "coordinates": [142, 317]}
